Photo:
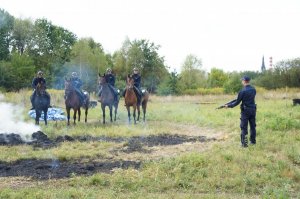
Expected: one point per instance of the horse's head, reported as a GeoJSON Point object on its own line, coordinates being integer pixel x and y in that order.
{"type": "Point", "coordinates": [129, 82]}
{"type": "Point", "coordinates": [101, 80]}
{"type": "Point", "coordinates": [40, 89]}
{"type": "Point", "coordinates": [68, 86]}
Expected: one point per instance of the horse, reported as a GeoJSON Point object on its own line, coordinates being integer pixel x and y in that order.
{"type": "Point", "coordinates": [72, 100]}
{"type": "Point", "coordinates": [132, 100]}
{"type": "Point", "coordinates": [41, 103]}
{"type": "Point", "coordinates": [107, 98]}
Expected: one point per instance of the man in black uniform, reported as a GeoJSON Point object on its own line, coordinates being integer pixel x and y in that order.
{"type": "Point", "coordinates": [248, 111]}
{"type": "Point", "coordinates": [38, 79]}
{"type": "Point", "coordinates": [77, 83]}
{"type": "Point", "coordinates": [137, 84]}
{"type": "Point", "coordinates": [110, 79]}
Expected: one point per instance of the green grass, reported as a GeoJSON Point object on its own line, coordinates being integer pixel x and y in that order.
{"type": "Point", "coordinates": [271, 169]}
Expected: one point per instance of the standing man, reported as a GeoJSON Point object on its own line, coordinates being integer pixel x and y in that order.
{"type": "Point", "coordinates": [248, 111]}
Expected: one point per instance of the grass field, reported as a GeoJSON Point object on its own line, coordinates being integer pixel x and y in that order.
{"type": "Point", "coordinates": [219, 168]}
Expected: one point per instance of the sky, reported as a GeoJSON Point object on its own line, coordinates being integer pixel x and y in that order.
{"type": "Point", "coordinates": [231, 35]}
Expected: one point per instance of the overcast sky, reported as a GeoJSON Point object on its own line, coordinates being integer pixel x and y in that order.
{"type": "Point", "coordinates": [230, 35]}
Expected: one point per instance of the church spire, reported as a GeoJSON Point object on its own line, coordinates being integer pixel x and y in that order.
{"type": "Point", "coordinates": [263, 67]}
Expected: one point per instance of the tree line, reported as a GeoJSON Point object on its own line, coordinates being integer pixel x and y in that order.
{"type": "Point", "coordinates": [27, 46]}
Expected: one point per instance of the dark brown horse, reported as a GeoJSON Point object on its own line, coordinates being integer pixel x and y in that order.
{"type": "Point", "coordinates": [131, 100]}
{"type": "Point", "coordinates": [107, 98]}
{"type": "Point", "coordinates": [72, 100]}
{"type": "Point", "coordinates": [41, 103]}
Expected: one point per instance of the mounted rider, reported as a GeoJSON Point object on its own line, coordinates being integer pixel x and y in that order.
{"type": "Point", "coordinates": [110, 79]}
{"type": "Point", "coordinates": [77, 83]}
{"type": "Point", "coordinates": [36, 80]}
{"type": "Point", "coordinates": [137, 84]}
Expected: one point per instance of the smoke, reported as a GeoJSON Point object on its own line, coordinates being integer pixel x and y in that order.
{"type": "Point", "coordinates": [11, 120]}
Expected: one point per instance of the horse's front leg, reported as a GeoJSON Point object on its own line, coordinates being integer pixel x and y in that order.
{"type": "Point", "coordinates": [37, 117]}
{"type": "Point", "coordinates": [138, 110]}
{"type": "Point", "coordinates": [144, 107]}
{"type": "Point", "coordinates": [45, 116]}
{"type": "Point", "coordinates": [103, 113]}
{"type": "Point", "coordinates": [68, 115]}
{"type": "Point", "coordinates": [74, 115]}
{"type": "Point", "coordinates": [134, 111]}
{"type": "Point", "coordinates": [128, 111]}
{"type": "Point", "coordinates": [86, 113]}
{"type": "Point", "coordinates": [116, 110]}
{"type": "Point", "coordinates": [110, 113]}
{"type": "Point", "coordinates": [79, 113]}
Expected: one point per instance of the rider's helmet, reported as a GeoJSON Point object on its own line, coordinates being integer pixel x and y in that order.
{"type": "Point", "coordinates": [135, 70]}
{"type": "Point", "coordinates": [40, 73]}
{"type": "Point", "coordinates": [74, 74]}
{"type": "Point", "coordinates": [108, 70]}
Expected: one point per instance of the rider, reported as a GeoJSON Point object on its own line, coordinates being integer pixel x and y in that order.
{"type": "Point", "coordinates": [110, 79]}
{"type": "Point", "coordinates": [137, 84]}
{"type": "Point", "coordinates": [77, 83]}
{"type": "Point", "coordinates": [36, 80]}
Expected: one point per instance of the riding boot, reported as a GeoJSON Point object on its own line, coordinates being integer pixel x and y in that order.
{"type": "Point", "coordinates": [244, 140]}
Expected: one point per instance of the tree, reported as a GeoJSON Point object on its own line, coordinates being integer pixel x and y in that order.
{"type": "Point", "coordinates": [233, 83]}
{"type": "Point", "coordinates": [192, 77]}
{"type": "Point", "coordinates": [143, 55]}
{"type": "Point", "coordinates": [217, 78]}
{"type": "Point", "coordinates": [6, 27]}
{"type": "Point", "coordinates": [88, 59]}
{"type": "Point", "coordinates": [170, 86]}
{"type": "Point", "coordinates": [21, 35]}
{"type": "Point", "coordinates": [50, 48]}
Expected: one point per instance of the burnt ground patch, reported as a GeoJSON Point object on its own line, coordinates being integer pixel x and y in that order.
{"type": "Point", "coordinates": [50, 168]}
{"type": "Point", "coordinates": [39, 139]}
{"type": "Point", "coordinates": [44, 169]}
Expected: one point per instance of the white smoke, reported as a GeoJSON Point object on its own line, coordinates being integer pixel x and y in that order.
{"type": "Point", "coordinates": [11, 120]}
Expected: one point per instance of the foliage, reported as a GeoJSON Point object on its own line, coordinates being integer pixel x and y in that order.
{"type": "Point", "coordinates": [233, 85]}
{"type": "Point", "coordinates": [88, 59]}
{"type": "Point", "coordinates": [6, 27]}
{"type": "Point", "coordinates": [286, 73]}
{"type": "Point", "coordinates": [217, 78]}
{"type": "Point", "coordinates": [170, 86]}
{"type": "Point", "coordinates": [191, 76]}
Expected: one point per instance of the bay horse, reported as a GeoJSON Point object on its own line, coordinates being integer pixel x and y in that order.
{"type": "Point", "coordinates": [41, 103]}
{"type": "Point", "coordinates": [72, 101]}
{"type": "Point", "coordinates": [107, 98]}
{"type": "Point", "coordinates": [132, 100]}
